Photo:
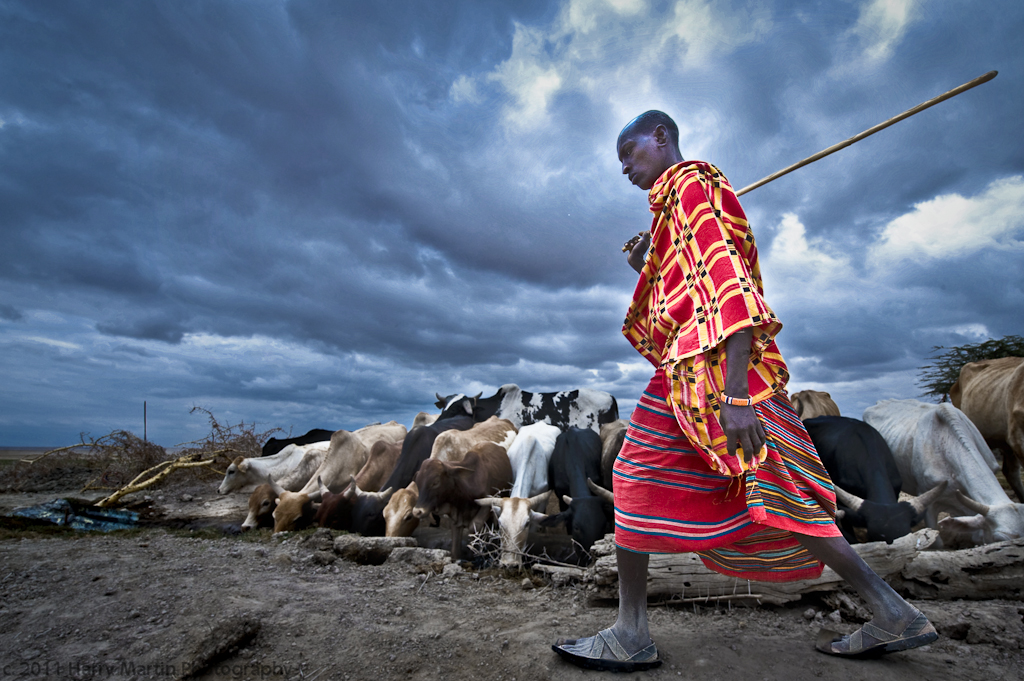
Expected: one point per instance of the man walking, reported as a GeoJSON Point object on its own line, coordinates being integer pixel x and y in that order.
{"type": "Point", "coordinates": [715, 460]}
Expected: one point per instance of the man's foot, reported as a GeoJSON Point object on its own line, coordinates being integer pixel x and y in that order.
{"type": "Point", "coordinates": [871, 640]}
{"type": "Point", "coordinates": [606, 651]}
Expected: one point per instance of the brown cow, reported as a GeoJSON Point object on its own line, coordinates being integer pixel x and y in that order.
{"type": "Point", "coordinates": [398, 518]}
{"type": "Point", "coordinates": [383, 457]}
{"type": "Point", "coordinates": [453, 445]}
{"type": "Point", "coordinates": [261, 508]}
{"type": "Point", "coordinates": [294, 510]}
{"type": "Point", "coordinates": [991, 394]}
{"type": "Point", "coordinates": [452, 488]}
{"type": "Point", "coordinates": [335, 511]}
{"type": "Point", "coordinates": [809, 404]}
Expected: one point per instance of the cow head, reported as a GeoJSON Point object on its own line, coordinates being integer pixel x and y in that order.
{"type": "Point", "coordinates": [261, 508]}
{"type": "Point", "coordinates": [873, 521]}
{"type": "Point", "coordinates": [456, 405]}
{"type": "Point", "coordinates": [514, 517]}
{"type": "Point", "coordinates": [432, 481]}
{"type": "Point", "coordinates": [367, 509]}
{"type": "Point", "coordinates": [398, 518]}
{"type": "Point", "coordinates": [585, 518]}
{"type": "Point", "coordinates": [239, 465]}
{"type": "Point", "coordinates": [335, 510]}
{"type": "Point", "coordinates": [995, 523]}
{"type": "Point", "coordinates": [294, 510]}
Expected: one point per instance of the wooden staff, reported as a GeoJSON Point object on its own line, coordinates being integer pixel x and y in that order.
{"type": "Point", "coordinates": [628, 246]}
{"type": "Point", "coordinates": [871, 131]}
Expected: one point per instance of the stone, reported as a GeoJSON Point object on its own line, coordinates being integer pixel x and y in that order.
{"type": "Point", "coordinates": [414, 555]}
{"type": "Point", "coordinates": [369, 550]}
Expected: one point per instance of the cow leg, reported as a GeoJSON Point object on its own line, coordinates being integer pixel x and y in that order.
{"type": "Point", "coordinates": [1011, 471]}
{"type": "Point", "coordinates": [1015, 451]}
{"type": "Point", "coordinates": [456, 541]}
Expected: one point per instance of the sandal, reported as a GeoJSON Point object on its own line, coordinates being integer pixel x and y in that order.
{"type": "Point", "coordinates": [859, 644]}
{"type": "Point", "coordinates": [587, 653]}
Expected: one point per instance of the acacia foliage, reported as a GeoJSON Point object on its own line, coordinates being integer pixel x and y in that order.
{"type": "Point", "coordinates": [942, 372]}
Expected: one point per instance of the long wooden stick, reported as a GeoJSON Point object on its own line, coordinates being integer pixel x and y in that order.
{"type": "Point", "coordinates": [871, 131]}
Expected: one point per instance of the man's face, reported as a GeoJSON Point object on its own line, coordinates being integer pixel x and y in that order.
{"type": "Point", "coordinates": [643, 157]}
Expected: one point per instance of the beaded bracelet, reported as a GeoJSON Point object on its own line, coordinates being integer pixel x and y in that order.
{"type": "Point", "coordinates": [736, 401]}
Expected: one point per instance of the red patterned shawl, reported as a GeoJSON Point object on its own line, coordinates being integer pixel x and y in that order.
{"type": "Point", "coordinates": [700, 284]}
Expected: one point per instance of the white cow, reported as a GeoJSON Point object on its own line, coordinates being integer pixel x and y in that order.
{"type": "Point", "coordinates": [932, 443]}
{"type": "Point", "coordinates": [281, 467]}
{"type": "Point", "coordinates": [529, 455]}
{"type": "Point", "coordinates": [515, 515]}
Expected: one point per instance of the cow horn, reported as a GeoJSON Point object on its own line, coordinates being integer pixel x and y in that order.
{"type": "Point", "coordinates": [567, 499]}
{"type": "Point", "coordinates": [321, 486]}
{"type": "Point", "coordinates": [840, 514]}
{"type": "Point", "coordinates": [970, 503]}
{"type": "Point", "coordinates": [386, 494]}
{"type": "Point", "coordinates": [539, 501]}
{"type": "Point", "coordinates": [600, 492]}
{"type": "Point", "coordinates": [315, 496]}
{"type": "Point", "coordinates": [438, 396]}
{"type": "Point", "coordinates": [476, 397]}
{"type": "Point", "coordinates": [278, 490]}
{"type": "Point", "coordinates": [488, 501]}
{"type": "Point", "coordinates": [922, 502]}
{"type": "Point", "coordinates": [852, 501]}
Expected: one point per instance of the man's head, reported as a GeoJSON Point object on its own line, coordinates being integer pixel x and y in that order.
{"type": "Point", "coordinates": [647, 147]}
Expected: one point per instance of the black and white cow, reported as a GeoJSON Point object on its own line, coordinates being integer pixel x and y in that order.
{"type": "Point", "coordinates": [582, 408]}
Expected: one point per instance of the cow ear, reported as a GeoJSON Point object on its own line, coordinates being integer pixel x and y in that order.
{"type": "Point", "coordinates": [243, 465]}
{"type": "Point", "coordinates": [468, 407]}
{"type": "Point", "coordinates": [563, 518]}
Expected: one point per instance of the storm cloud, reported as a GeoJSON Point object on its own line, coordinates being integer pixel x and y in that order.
{"type": "Point", "coordinates": [316, 214]}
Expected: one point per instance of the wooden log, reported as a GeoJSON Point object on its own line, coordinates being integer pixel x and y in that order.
{"type": "Point", "coordinates": [683, 575]}
{"type": "Point", "coordinates": [990, 571]}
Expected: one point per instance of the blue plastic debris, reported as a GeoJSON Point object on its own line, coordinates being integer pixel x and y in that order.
{"type": "Point", "coordinates": [79, 515]}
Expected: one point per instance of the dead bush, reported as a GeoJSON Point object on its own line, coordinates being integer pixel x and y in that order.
{"type": "Point", "coordinates": [115, 460]}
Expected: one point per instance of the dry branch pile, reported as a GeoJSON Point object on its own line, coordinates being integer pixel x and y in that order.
{"type": "Point", "coordinates": [122, 463]}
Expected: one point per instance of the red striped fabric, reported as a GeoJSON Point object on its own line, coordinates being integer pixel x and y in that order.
{"type": "Point", "coordinates": [668, 500]}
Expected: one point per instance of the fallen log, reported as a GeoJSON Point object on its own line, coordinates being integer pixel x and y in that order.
{"type": "Point", "coordinates": [993, 571]}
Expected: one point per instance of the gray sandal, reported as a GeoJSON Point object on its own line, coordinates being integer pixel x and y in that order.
{"type": "Point", "coordinates": [587, 653]}
{"type": "Point", "coordinates": [918, 633]}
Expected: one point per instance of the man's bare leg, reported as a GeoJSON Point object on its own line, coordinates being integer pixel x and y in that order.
{"type": "Point", "coordinates": [891, 612]}
{"type": "Point", "coordinates": [630, 627]}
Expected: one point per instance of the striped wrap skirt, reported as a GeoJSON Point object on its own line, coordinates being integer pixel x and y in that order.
{"type": "Point", "coordinates": [667, 499]}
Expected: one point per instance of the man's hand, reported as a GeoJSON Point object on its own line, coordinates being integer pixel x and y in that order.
{"type": "Point", "coordinates": [638, 255]}
{"type": "Point", "coordinates": [742, 425]}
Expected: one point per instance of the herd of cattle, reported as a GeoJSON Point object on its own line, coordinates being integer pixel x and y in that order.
{"type": "Point", "coordinates": [504, 454]}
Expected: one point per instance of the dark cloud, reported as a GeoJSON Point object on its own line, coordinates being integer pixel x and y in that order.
{"type": "Point", "coordinates": [280, 212]}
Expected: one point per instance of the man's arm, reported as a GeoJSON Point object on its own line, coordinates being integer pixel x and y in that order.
{"type": "Point", "coordinates": [638, 255]}
{"type": "Point", "coordinates": [740, 423]}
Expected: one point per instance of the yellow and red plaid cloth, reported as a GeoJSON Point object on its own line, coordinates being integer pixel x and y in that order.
{"type": "Point", "coordinates": [701, 283]}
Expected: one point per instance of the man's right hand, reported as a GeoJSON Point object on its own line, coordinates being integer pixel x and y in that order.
{"type": "Point", "coordinates": [638, 255]}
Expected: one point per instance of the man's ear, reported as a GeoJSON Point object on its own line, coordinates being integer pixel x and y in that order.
{"type": "Point", "coordinates": [660, 134]}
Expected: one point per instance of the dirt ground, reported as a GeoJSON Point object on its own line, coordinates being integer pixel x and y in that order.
{"type": "Point", "coordinates": [165, 601]}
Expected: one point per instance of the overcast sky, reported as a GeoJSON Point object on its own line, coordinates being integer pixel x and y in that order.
{"type": "Point", "coordinates": [317, 214]}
